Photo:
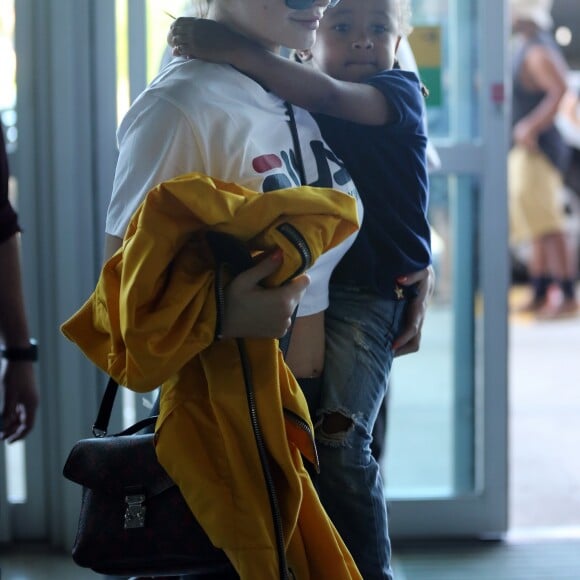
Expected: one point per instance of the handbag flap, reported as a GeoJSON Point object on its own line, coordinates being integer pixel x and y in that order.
{"type": "Point", "coordinates": [101, 464]}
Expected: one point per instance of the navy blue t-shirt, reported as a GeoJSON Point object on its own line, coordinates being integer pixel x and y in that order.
{"type": "Point", "coordinates": [388, 165]}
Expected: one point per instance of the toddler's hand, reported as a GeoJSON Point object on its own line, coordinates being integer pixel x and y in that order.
{"type": "Point", "coordinates": [204, 39]}
{"type": "Point", "coordinates": [409, 339]}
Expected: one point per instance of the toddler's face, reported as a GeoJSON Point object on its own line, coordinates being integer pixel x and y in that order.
{"type": "Point", "coordinates": [357, 39]}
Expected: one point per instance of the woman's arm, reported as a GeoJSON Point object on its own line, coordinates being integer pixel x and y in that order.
{"type": "Point", "coordinates": [250, 309]}
{"type": "Point", "coordinates": [300, 84]}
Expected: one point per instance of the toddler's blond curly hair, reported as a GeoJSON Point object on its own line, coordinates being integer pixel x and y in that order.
{"type": "Point", "coordinates": [405, 13]}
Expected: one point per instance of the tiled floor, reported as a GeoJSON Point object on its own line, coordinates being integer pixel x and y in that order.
{"type": "Point", "coordinates": [544, 428]}
{"type": "Point", "coordinates": [533, 559]}
{"type": "Point", "coordinates": [522, 560]}
{"type": "Point", "coordinates": [544, 541]}
{"type": "Point", "coordinates": [544, 538]}
{"type": "Point", "coordinates": [38, 563]}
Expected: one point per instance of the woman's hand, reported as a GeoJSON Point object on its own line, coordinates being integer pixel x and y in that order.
{"type": "Point", "coordinates": [205, 39]}
{"type": "Point", "coordinates": [254, 311]}
{"type": "Point", "coordinates": [409, 340]}
{"type": "Point", "coordinates": [20, 400]}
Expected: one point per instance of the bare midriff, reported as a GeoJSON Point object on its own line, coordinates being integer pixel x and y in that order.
{"type": "Point", "coordinates": [305, 355]}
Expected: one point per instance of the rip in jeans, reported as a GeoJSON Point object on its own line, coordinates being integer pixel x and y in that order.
{"type": "Point", "coordinates": [334, 427]}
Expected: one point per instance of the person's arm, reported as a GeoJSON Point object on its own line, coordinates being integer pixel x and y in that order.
{"type": "Point", "coordinates": [300, 84]}
{"type": "Point", "coordinates": [250, 309]}
{"type": "Point", "coordinates": [254, 311]}
{"type": "Point", "coordinates": [409, 339]}
{"type": "Point", "coordinates": [542, 71]}
{"type": "Point", "coordinates": [20, 392]}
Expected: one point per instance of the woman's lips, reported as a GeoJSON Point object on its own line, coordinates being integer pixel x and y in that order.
{"type": "Point", "coordinates": [310, 24]}
{"type": "Point", "coordinates": [310, 21]}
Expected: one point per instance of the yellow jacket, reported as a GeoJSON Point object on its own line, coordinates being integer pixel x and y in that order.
{"type": "Point", "coordinates": [151, 321]}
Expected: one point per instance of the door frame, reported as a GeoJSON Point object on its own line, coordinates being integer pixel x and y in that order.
{"type": "Point", "coordinates": [482, 512]}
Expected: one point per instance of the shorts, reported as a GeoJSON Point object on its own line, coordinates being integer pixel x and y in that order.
{"type": "Point", "coordinates": [534, 189]}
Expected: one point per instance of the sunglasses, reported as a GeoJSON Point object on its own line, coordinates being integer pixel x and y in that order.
{"type": "Point", "coordinates": [304, 4]}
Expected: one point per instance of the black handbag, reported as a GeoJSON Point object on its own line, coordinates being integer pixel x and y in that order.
{"type": "Point", "coordinates": [133, 518]}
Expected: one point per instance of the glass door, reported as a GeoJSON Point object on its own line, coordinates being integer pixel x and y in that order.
{"type": "Point", "coordinates": [445, 460]}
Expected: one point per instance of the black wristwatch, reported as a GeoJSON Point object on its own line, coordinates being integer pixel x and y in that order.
{"type": "Point", "coordinates": [15, 353]}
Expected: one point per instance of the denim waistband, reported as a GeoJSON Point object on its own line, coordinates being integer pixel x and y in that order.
{"type": "Point", "coordinates": [397, 292]}
{"type": "Point", "coordinates": [307, 383]}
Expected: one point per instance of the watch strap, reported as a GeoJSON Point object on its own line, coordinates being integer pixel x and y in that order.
{"type": "Point", "coordinates": [15, 353]}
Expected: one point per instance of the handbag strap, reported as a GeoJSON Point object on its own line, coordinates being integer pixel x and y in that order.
{"type": "Point", "coordinates": [284, 341]}
{"type": "Point", "coordinates": [101, 424]}
{"type": "Point", "coordinates": [296, 143]}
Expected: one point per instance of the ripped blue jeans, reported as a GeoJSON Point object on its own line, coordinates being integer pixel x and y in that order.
{"type": "Point", "coordinates": [360, 329]}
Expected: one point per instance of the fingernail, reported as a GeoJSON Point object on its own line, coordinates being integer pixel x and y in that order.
{"type": "Point", "coordinates": [402, 279]}
{"type": "Point", "coordinates": [277, 255]}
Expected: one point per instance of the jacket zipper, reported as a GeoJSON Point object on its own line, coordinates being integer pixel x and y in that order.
{"type": "Point", "coordinates": [220, 302]}
{"type": "Point", "coordinates": [261, 446]}
{"type": "Point", "coordinates": [302, 424]}
{"type": "Point", "coordinates": [297, 239]}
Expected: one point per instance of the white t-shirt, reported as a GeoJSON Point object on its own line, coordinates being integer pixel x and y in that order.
{"type": "Point", "coordinates": [210, 118]}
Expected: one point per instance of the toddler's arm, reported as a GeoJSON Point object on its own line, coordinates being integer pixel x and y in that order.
{"type": "Point", "coordinates": [302, 85]}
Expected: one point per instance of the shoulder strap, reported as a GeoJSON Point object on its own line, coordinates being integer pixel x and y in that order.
{"type": "Point", "coordinates": [104, 415]}
{"type": "Point", "coordinates": [296, 143]}
{"type": "Point", "coordinates": [285, 340]}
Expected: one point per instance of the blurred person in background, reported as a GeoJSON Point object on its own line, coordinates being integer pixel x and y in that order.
{"type": "Point", "coordinates": [568, 122]}
{"type": "Point", "coordinates": [18, 392]}
{"type": "Point", "coordinates": [538, 159]}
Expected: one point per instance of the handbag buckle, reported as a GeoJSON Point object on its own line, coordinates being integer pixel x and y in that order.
{"type": "Point", "coordinates": [135, 511]}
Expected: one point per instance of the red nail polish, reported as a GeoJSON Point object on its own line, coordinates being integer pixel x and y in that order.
{"type": "Point", "coordinates": [277, 255]}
